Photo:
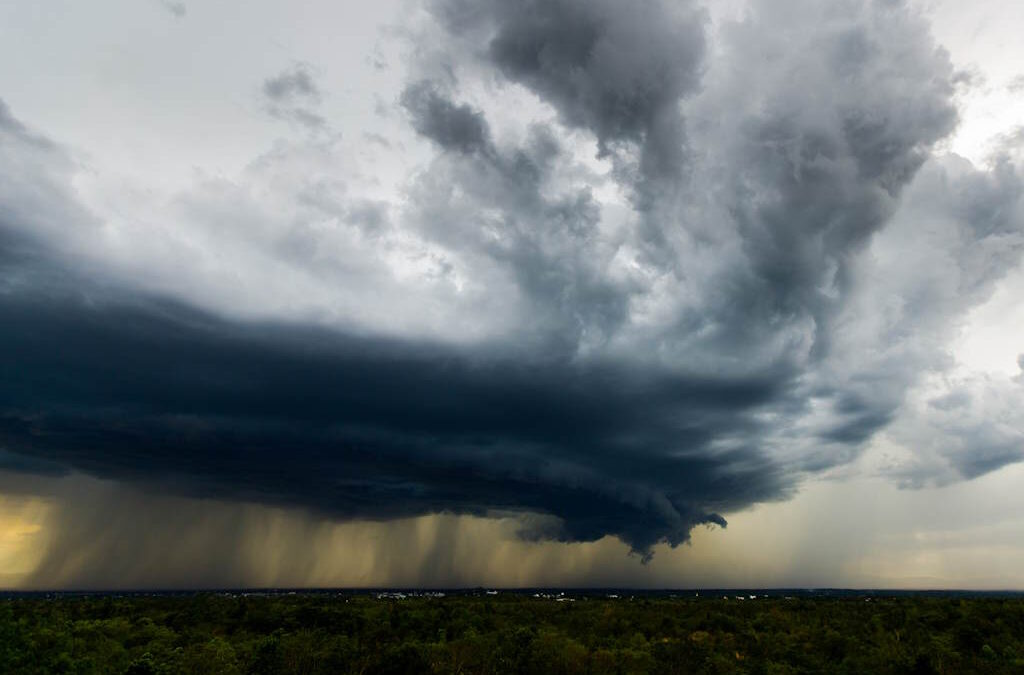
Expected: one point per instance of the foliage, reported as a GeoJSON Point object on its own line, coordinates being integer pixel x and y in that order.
{"type": "Point", "coordinates": [510, 633]}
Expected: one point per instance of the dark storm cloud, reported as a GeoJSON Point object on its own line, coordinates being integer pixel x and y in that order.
{"type": "Point", "coordinates": [802, 160]}
{"type": "Point", "coordinates": [541, 237]}
{"type": "Point", "coordinates": [101, 379]}
{"type": "Point", "coordinates": [97, 378]}
{"type": "Point", "coordinates": [355, 427]}
{"type": "Point", "coordinates": [26, 464]}
{"type": "Point", "coordinates": [693, 352]}
{"type": "Point", "coordinates": [614, 69]}
{"type": "Point", "coordinates": [618, 71]}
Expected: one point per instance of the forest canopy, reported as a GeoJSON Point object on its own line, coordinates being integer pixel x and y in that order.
{"type": "Point", "coordinates": [509, 633]}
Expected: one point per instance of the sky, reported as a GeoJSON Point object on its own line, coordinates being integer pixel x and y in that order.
{"type": "Point", "coordinates": [511, 293]}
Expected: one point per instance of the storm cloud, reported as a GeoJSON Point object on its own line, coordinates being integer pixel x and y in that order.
{"type": "Point", "coordinates": [370, 428]}
{"type": "Point", "coordinates": [671, 288]}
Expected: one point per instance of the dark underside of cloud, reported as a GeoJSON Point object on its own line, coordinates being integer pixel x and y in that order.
{"type": "Point", "coordinates": [727, 336]}
{"type": "Point", "coordinates": [144, 390]}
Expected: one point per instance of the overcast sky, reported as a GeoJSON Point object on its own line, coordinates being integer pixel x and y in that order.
{"type": "Point", "coordinates": [478, 292]}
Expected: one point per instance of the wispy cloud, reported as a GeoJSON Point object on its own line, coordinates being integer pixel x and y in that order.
{"type": "Point", "coordinates": [175, 7]}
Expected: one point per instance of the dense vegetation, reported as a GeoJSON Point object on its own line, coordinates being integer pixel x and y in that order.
{"type": "Point", "coordinates": [327, 633]}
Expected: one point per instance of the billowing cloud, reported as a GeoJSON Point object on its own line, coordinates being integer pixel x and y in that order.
{"type": "Point", "coordinates": [618, 72]}
{"type": "Point", "coordinates": [452, 127]}
{"type": "Point", "coordinates": [703, 261]}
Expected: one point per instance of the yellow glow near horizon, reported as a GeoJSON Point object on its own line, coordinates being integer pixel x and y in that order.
{"type": "Point", "coordinates": [22, 538]}
{"type": "Point", "coordinates": [855, 533]}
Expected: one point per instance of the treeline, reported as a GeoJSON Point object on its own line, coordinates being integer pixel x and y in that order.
{"type": "Point", "coordinates": [312, 634]}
